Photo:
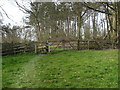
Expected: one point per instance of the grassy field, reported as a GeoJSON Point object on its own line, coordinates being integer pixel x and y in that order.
{"type": "Point", "coordinates": [68, 69]}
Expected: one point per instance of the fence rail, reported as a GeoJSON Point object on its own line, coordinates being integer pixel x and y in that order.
{"type": "Point", "coordinates": [50, 46]}
{"type": "Point", "coordinates": [14, 48]}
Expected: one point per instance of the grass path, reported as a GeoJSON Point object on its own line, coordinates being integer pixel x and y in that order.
{"type": "Point", "coordinates": [27, 77]}
{"type": "Point", "coordinates": [69, 69]}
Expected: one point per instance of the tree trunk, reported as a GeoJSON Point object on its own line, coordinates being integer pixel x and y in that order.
{"type": "Point", "coordinates": [118, 6]}
{"type": "Point", "coordinates": [79, 27]}
{"type": "Point", "coordinates": [94, 27]}
{"type": "Point", "coordinates": [68, 33]}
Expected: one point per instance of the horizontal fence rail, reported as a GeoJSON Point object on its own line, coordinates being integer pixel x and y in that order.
{"type": "Point", "coordinates": [14, 48]}
{"type": "Point", "coordinates": [51, 46]}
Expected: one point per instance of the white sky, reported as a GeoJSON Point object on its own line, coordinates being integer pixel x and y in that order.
{"type": "Point", "coordinates": [13, 12]}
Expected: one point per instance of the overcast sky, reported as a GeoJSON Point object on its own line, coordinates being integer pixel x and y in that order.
{"type": "Point", "coordinates": [13, 12]}
{"type": "Point", "coordinates": [16, 15]}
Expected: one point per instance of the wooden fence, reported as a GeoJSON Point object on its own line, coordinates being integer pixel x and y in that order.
{"type": "Point", "coordinates": [51, 46]}
{"type": "Point", "coordinates": [14, 48]}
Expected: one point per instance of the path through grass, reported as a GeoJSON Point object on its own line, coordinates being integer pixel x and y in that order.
{"type": "Point", "coordinates": [68, 69]}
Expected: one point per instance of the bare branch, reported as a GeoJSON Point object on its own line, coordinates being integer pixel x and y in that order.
{"type": "Point", "coordinates": [5, 12]}
{"type": "Point", "coordinates": [109, 6]}
{"type": "Point", "coordinates": [84, 13]}
{"type": "Point", "coordinates": [96, 9]}
{"type": "Point", "coordinates": [24, 9]}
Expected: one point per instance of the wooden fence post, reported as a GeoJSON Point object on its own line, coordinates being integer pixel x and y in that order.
{"type": "Point", "coordinates": [63, 44]}
{"type": "Point", "coordinates": [25, 47]}
{"type": "Point", "coordinates": [78, 45]}
{"type": "Point", "coordinates": [47, 47]}
{"type": "Point", "coordinates": [88, 44]}
{"type": "Point", "coordinates": [112, 44]}
{"type": "Point", "coordinates": [35, 48]}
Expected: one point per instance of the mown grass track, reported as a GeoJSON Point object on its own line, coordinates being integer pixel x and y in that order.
{"type": "Point", "coordinates": [68, 69]}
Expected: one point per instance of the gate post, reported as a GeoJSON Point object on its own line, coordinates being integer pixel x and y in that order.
{"type": "Point", "coordinates": [47, 47]}
{"type": "Point", "coordinates": [88, 44]}
{"type": "Point", "coordinates": [78, 45]}
{"type": "Point", "coordinates": [35, 48]}
{"type": "Point", "coordinates": [63, 44]}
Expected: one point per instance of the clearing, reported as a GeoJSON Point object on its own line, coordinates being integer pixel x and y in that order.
{"type": "Point", "coordinates": [68, 69]}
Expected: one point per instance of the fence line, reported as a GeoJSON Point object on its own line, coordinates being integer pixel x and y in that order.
{"type": "Point", "coordinates": [50, 46]}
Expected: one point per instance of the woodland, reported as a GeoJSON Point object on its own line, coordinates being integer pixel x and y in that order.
{"type": "Point", "coordinates": [65, 21]}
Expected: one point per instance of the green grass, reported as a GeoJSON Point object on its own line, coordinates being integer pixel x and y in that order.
{"type": "Point", "coordinates": [68, 69]}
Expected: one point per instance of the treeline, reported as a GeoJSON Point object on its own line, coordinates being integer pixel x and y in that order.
{"type": "Point", "coordinates": [67, 21]}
